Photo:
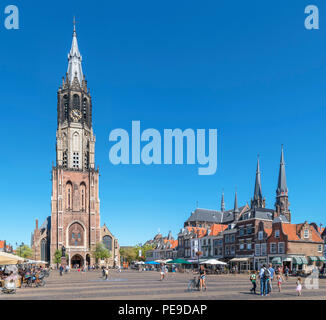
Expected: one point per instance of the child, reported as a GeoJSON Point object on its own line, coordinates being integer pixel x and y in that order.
{"type": "Point", "coordinates": [279, 281]}
{"type": "Point", "coordinates": [299, 286]}
{"type": "Point", "coordinates": [253, 281]}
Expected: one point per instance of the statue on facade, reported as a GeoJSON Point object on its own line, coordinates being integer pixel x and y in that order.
{"type": "Point", "coordinates": [63, 251]}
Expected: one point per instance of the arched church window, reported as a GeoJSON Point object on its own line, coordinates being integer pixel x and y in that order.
{"type": "Point", "coordinates": [76, 235]}
{"type": "Point", "coordinates": [43, 250]}
{"type": "Point", "coordinates": [76, 101]}
{"type": "Point", "coordinates": [83, 197]}
{"type": "Point", "coordinates": [107, 241]}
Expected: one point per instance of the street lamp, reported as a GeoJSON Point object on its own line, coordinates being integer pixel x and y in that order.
{"type": "Point", "coordinates": [198, 253]}
{"type": "Point", "coordinates": [20, 248]}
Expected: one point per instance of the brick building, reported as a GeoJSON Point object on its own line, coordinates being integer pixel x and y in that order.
{"type": "Point", "coordinates": [75, 203]}
{"type": "Point", "coordinates": [295, 245]}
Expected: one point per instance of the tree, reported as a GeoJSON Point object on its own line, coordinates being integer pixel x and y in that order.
{"type": "Point", "coordinates": [58, 255]}
{"type": "Point", "coordinates": [143, 250]}
{"type": "Point", "coordinates": [24, 251]}
{"type": "Point", "coordinates": [128, 254]}
{"type": "Point", "coordinates": [100, 252]}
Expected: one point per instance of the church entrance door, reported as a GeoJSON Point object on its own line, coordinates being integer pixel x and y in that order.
{"type": "Point", "coordinates": [77, 261]}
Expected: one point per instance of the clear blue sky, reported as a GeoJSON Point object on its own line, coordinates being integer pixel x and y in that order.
{"type": "Point", "coordinates": [248, 68]}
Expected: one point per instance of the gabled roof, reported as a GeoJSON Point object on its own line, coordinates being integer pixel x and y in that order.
{"type": "Point", "coordinates": [2, 244]}
{"type": "Point", "coordinates": [213, 215]}
{"type": "Point", "coordinates": [293, 232]}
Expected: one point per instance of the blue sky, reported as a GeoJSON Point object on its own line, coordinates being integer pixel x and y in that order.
{"type": "Point", "coordinates": [249, 69]}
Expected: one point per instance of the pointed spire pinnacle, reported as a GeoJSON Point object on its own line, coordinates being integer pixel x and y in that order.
{"type": "Point", "coordinates": [222, 202]}
{"type": "Point", "coordinates": [281, 186]}
{"type": "Point", "coordinates": [75, 59]}
{"type": "Point", "coordinates": [236, 208]}
{"type": "Point", "coordinates": [258, 195]}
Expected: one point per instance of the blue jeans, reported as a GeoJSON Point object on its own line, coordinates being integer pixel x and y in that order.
{"type": "Point", "coordinates": [264, 286]}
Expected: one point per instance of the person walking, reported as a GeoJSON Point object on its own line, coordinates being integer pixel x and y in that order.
{"type": "Point", "coordinates": [202, 277]}
{"type": "Point", "coordinates": [253, 279]}
{"type": "Point", "coordinates": [286, 272]}
{"type": "Point", "coordinates": [299, 286]}
{"type": "Point", "coordinates": [61, 270]}
{"type": "Point", "coordinates": [272, 272]}
{"type": "Point", "coordinates": [264, 276]}
{"type": "Point", "coordinates": [162, 272]}
{"type": "Point", "coordinates": [106, 270]}
{"type": "Point", "coordinates": [279, 279]}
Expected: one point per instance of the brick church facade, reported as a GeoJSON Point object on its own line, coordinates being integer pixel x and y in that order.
{"type": "Point", "coordinates": [75, 203]}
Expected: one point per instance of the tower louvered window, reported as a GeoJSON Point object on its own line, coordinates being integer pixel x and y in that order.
{"type": "Point", "coordinates": [85, 109]}
{"type": "Point", "coordinates": [75, 163]}
{"type": "Point", "coordinates": [65, 159]}
{"type": "Point", "coordinates": [66, 106]}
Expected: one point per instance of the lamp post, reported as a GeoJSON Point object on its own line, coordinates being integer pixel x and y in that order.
{"type": "Point", "coordinates": [198, 253]}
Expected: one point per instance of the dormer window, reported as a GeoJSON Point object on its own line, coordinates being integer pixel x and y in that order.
{"type": "Point", "coordinates": [306, 233]}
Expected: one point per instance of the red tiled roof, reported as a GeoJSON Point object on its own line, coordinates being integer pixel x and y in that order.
{"type": "Point", "coordinates": [201, 232]}
{"type": "Point", "coordinates": [2, 244]}
{"type": "Point", "coordinates": [268, 231]}
{"type": "Point", "coordinates": [217, 228]}
{"type": "Point", "coordinates": [292, 231]}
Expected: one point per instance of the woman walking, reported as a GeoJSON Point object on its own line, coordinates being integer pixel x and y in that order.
{"type": "Point", "coordinates": [202, 276]}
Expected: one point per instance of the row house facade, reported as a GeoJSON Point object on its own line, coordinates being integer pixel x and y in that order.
{"type": "Point", "coordinates": [297, 246]}
{"type": "Point", "coordinates": [249, 237]}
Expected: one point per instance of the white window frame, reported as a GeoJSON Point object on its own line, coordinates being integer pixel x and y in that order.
{"type": "Point", "coordinates": [273, 245]}
{"type": "Point", "coordinates": [306, 233]}
{"type": "Point", "coordinates": [257, 249]}
{"type": "Point", "coordinates": [281, 245]}
{"type": "Point", "coordinates": [260, 235]}
{"type": "Point", "coordinates": [277, 233]}
{"type": "Point", "coordinates": [263, 248]}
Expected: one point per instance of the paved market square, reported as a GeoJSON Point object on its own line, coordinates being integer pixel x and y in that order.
{"type": "Point", "coordinates": [134, 285]}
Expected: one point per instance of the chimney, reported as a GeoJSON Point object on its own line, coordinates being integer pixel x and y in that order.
{"type": "Point", "coordinates": [36, 224]}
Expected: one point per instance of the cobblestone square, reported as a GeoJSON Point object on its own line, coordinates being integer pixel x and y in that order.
{"type": "Point", "coordinates": [134, 285]}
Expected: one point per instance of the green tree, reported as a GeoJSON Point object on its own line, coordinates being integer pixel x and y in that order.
{"type": "Point", "coordinates": [143, 249]}
{"type": "Point", "coordinates": [100, 252]}
{"type": "Point", "coordinates": [58, 255]}
{"type": "Point", "coordinates": [24, 251]}
{"type": "Point", "coordinates": [128, 254]}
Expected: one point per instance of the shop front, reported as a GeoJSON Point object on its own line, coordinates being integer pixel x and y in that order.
{"type": "Point", "coordinates": [242, 264]}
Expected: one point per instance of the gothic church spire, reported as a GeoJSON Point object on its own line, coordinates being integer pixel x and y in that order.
{"type": "Point", "coordinates": [75, 60]}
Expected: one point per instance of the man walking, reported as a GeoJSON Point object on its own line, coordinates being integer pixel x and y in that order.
{"type": "Point", "coordinates": [61, 270]}
{"type": "Point", "coordinates": [272, 272]}
{"type": "Point", "coordinates": [264, 276]}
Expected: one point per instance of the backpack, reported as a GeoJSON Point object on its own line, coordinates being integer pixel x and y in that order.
{"type": "Point", "coordinates": [267, 274]}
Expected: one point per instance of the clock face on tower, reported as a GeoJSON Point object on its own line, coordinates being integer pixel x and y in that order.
{"type": "Point", "coordinates": [75, 115]}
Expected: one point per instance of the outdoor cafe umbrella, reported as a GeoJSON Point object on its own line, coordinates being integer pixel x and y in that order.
{"type": "Point", "coordinates": [163, 261]}
{"type": "Point", "coordinates": [151, 262]}
{"type": "Point", "coordinates": [7, 259]}
{"type": "Point", "coordinates": [179, 261]}
{"type": "Point", "coordinates": [213, 262]}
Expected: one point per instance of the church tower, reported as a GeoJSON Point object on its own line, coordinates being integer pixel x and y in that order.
{"type": "Point", "coordinates": [75, 216]}
{"type": "Point", "coordinates": [282, 199]}
{"type": "Point", "coordinates": [258, 201]}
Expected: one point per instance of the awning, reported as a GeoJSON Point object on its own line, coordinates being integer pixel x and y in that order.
{"type": "Point", "coordinates": [7, 259]}
{"type": "Point", "coordinates": [304, 260]}
{"type": "Point", "coordinates": [277, 260]}
{"type": "Point", "coordinates": [313, 258]}
{"type": "Point", "coordinates": [297, 260]}
{"type": "Point", "coordinates": [300, 260]}
{"type": "Point", "coordinates": [323, 259]}
{"type": "Point", "coordinates": [239, 260]}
